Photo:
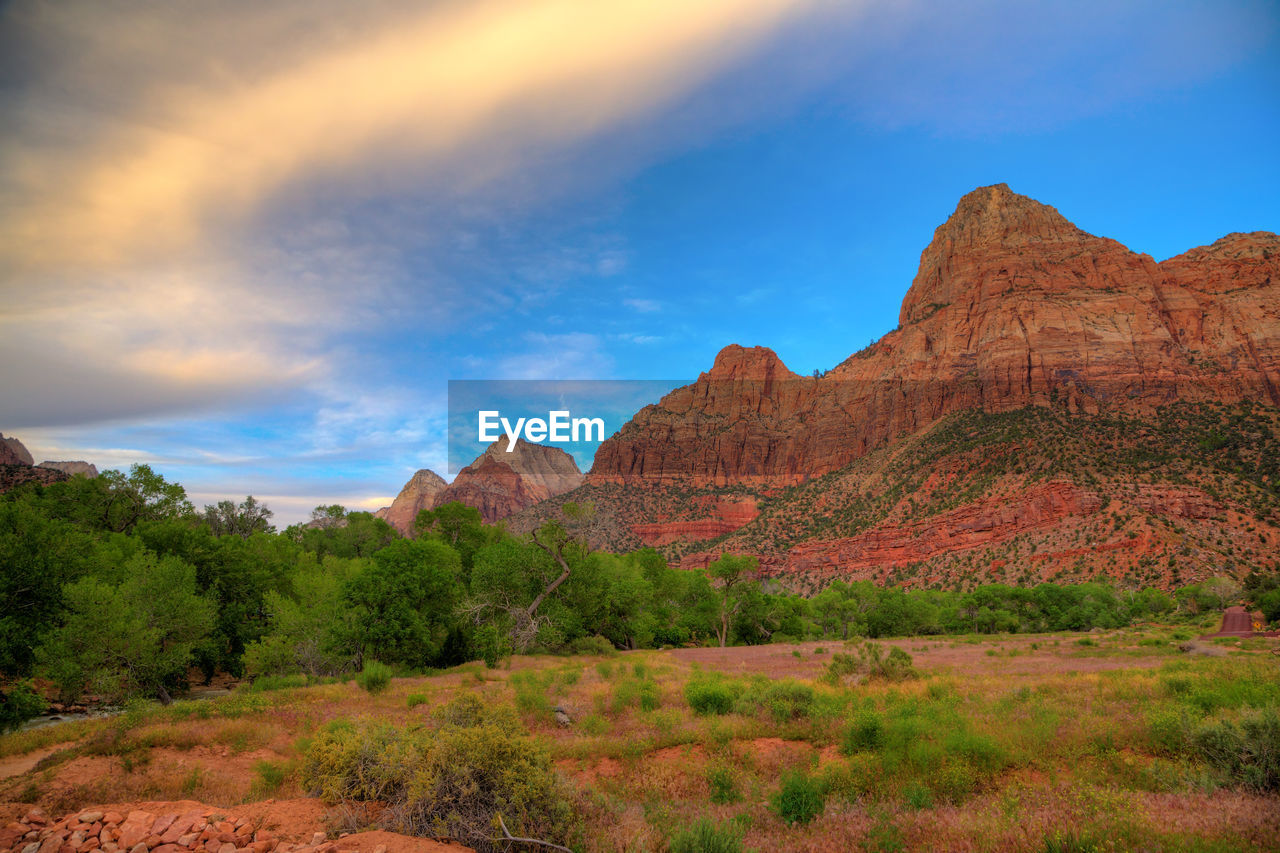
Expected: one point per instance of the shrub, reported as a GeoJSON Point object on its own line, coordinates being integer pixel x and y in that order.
{"type": "Point", "coordinates": [865, 731]}
{"type": "Point", "coordinates": [707, 836]}
{"type": "Point", "coordinates": [870, 662]}
{"type": "Point", "coordinates": [784, 700]}
{"type": "Point", "coordinates": [375, 676]}
{"type": "Point", "coordinates": [452, 780]}
{"type": "Point", "coordinates": [918, 797]}
{"type": "Point", "coordinates": [800, 799]}
{"type": "Point", "coordinates": [416, 699]}
{"type": "Point", "coordinates": [18, 705]}
{"type": "Point", "coordinates": [1248, 754]}
{"type": "Point", "coordinates": [709, 696]}
{"type": "Point", "coordinates": [723, 784]}
{"type": "Point", "coordinates": [271, 777]}
{"type": "Point", "coordinates": [596, 645]}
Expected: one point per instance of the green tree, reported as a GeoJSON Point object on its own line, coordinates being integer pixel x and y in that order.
{"type": "Point", "coordinates": [403, 603]}
{"type": "Point", "coordinates": [227, 519]}
{"type": "Point", "coordinates": [136, 638]}
{"type": "Point", "coordinates": [732, 571]}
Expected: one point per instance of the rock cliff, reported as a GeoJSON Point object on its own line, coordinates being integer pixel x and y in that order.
{"type": "Point", "coordinates": [1013, 310]}
{"type": "Point", "coordinates": [87, 469]}
{"type": "Point", "coordinates": [499, 483]}
{"type": "Point", "coordinates": [13, 453]}
{"type": "Point", "coordinates": [418, 494]}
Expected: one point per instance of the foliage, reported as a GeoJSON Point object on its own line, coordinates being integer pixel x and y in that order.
{"type": "Point", "coordinates": [374, 677]}
{"type": "Point", "coordinates": [17, 705]}
{"type": "Point", "coordinates": [452, 780]}
{"type": "Point", "coordinates": [1247, 753]}
{"type": "Point", "coordinates": [800, 798]}
{"type": "Point", "coordinates": [705, 835]}
{"type": "Point", "coordinates": [709, 695]}
{"type": "Point", "coordinates": [136, 638]}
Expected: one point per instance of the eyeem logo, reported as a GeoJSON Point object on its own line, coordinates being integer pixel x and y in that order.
{"type": "Point", "coordinates": [559, 428]}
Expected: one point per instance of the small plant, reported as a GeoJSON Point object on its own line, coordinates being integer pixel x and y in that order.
{"type": "Point", "coordinates": [820, 650]}
{"type": "Point", "coordinates": [800, 799]}
{"type": "Point", "coordinates": [918, 797]}
{"type": "Point", "coordinates": [707, 836]}
{"type": "Point", "coordinates": [865, 731]}
{"type": "Point", "coordinates": [723, 784]}
{"type": "Point", "coordinates": [271, 777]}
{"type": "Point", "coordinates": [416, 699]}
{"type": "Point", "coordinates": [709, 696]}
{"type": "Point", "coordinates": [375, 677]}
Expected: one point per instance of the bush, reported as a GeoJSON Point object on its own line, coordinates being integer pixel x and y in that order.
{"type": "Point", "coordinates": [870, 662]}
{"type": "Point", "coordinates": [1248, 754]}
{"type": "Point", "coordinates": [865, 731]}
{"type": "Point", "coordinates": [596, 645]}
{"type": "Point", "coordinates": [800, 799]}
{"type": "Point", "coordinates": [784, 700]}
{"type": "Point", "coordinates": [709, 696]}
{"type": "Point", "coordinates": [452, 780]}
{"type": "Point", "coordinates": [723, 785]}
{"type": "Point", "coordinates": [375, 676]}
{"type": "Point", "coordinates": [416, 699]}
{"type": "Point", "coordinates": [707, 836]}
{"type": "Point", "coordinates": [18, 705]}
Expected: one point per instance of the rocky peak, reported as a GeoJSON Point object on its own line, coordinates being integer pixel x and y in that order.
{"type": "Point", "coordinates": [755, 363]}
{"type": "Point", "coordinates": [1254, 246]}
{"type": "Point", "coordinates": [541, 466]}
{"type": "Point", "coordinates": [418, 494]}
{"type": "Point", "coordinates": [12, 452]}
{"type": "Point", "coordinates": [500, 483]}
{"type": "Point", "coordinates": [986, 237]}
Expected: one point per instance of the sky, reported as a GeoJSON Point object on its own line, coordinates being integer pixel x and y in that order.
{"type": "Point", "coordinates": [250, 244]}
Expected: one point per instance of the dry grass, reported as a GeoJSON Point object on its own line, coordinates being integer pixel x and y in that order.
{"type": "Point", "coordinates": [983, 752]}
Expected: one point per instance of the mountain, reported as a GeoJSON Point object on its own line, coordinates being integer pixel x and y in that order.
{"type": "Point", "coordinates": [418, 494]}
{"type": "Point", "coordinates": [12, 452]}
{"type": "Point", "coordinates": [1020, 324]}
{"type": "Point", "coordinates": [88, 469]}
{"type": "Point", "coordinates": [497, 483]}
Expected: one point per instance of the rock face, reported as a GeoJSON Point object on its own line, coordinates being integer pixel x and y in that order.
{"type": "Point", "coordinates": [418, 494]}
{"type": "Point", "coordinates": [497, 483]}
{"type": "Point", "coordinates": [500, 484]}
{"type": "Point", "coordinates": [13, 453]}
{"type": "Point", "coordinates": [1013, 305]}
{"type": "Point", "coordinates": [86, 469]}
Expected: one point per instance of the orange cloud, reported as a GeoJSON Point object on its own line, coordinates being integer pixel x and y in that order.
{"type": "Point", "coordinates": [468, 87]}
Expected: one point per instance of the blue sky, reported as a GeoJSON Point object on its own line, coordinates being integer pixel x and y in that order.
{"type": "Point", "coordinates": [250, 246]}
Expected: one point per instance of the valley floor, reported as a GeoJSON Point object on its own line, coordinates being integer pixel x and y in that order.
{"type": "Point", "coordinates": [1102, 741]}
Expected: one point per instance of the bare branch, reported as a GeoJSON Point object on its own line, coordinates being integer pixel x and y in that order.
{"type": "Point", "coordinates": [509, 837]}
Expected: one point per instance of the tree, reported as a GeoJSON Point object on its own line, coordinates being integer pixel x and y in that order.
{"type": "Point", "coordinates": [133, 639]}
{"type": "Point", "coordinates": [732, 571]}
{"type": "Point", "coordinates": [403, 603]}
{"type": "Point", "coordinates": [307, 628]}
{"type": "Point", "coordinates": [457, 525]}
{"type": "Point", "coordinates": [227, 519]}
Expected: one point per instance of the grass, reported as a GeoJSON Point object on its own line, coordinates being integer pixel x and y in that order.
{"type": "Point", "coordinates": [1167, 751]}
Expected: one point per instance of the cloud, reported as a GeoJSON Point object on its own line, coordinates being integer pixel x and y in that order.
{"type": "Point", "coordinates": [575, 355]}
{"type": "Point", "coordinates": [645, 306]}
{"type": "Point", "coordinates": [474, 86]}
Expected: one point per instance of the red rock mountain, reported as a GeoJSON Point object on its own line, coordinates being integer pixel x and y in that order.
{"type": "Point", "coordinates": [418, 494]}
{"type": "Point", "coordinates": [497, 483]}
{"type": "Point", "coordinates": [1051, 405]}
{"type": "Point", "coordinates": [500, 484]}
{"type": "Point", "coordinates": [1012, 305]}
{"type": "Point", "coordinates": [12, 452]}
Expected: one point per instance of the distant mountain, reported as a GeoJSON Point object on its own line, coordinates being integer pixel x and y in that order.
{"type": "Point", "coordinates": [1078, 357]}
{"type": "Point", "coordinates": [87, 469]}
{"type": "Point", "coordinates": [13, 453]}
{"type": "Point", "coordinates": [497, 483]}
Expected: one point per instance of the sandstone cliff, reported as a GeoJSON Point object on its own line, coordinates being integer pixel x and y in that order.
{"type": "Point", "coordinates": [499, 483]}
{"type": "Point", "coordinates": [87, 469]}
{"type": "Point", "coordinates": [1012, 305]}
{"type": "Point", "coordinates": [13, 453]}
{"type": "Point", "coordinates": [1014, 311]}
{"type": "Point", "coordinates": [418, 494]}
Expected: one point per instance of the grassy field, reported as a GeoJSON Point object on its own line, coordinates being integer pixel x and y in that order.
{"type": "Point", "coordinates": [1105, 741]}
